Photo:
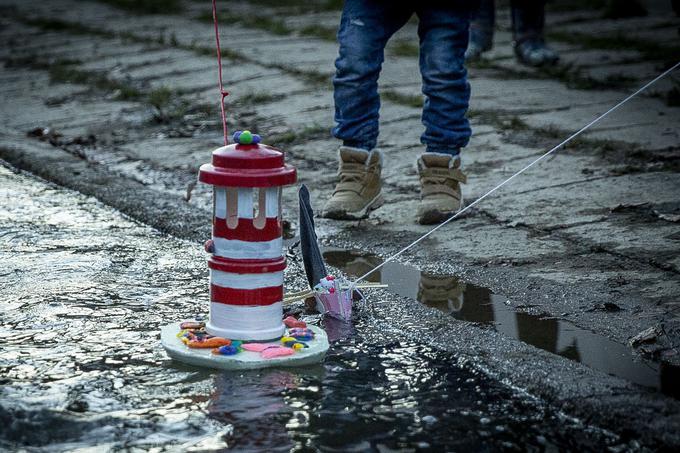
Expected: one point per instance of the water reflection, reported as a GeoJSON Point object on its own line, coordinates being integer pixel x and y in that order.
{"type": "Point", "coordinates": [252, 403]}
{"type": "Point", "coordinates": [473, 303]}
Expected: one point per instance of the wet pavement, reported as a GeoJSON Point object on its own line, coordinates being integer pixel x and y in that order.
{"type": "Point", "coordinates": [84, 293]}
{"type": "Point", "coordinates": [469, 302]}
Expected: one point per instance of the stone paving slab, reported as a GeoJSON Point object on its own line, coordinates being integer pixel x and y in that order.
{"type": "Point", "coordinates": [634, 26]}
{"type": "Point", "coordinates": [642, 71]}
{"type": "Point", "coordinates": [644, 121]}
{"type": "Point", "coordinates": [596, 58]}
{"type": "Point", "coordinates": [33, 112]}
{"type": "Point", "coordinates": [123, 60]}
{"type": "Point", "coordinates": [586, 201]}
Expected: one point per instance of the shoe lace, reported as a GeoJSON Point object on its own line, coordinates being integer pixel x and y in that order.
{"type": "Point", "coordinates": [351, 173]}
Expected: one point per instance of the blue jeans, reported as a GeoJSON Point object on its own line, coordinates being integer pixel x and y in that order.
{"type": "Point", "coordinates": [365, 28]}
{"type": "Point", "coordinates": [528, 19]}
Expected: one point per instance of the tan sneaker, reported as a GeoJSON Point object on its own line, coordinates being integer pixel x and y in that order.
{"type": "Point", "coordinates": [440, 193]}
{"type": "Point", "coordinates": [358, 189]}
{"type": "Point", "coordinates": [443, 292]}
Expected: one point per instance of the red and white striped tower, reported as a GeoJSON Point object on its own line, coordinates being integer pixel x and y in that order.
{"type": "Point", "coordinates": [246, 266]}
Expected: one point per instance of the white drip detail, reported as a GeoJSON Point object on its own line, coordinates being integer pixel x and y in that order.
{"type": "Point", "coordinates": [245, 203]}
{"type": "Point", "coordinates": [540, 158]}
{"type": "Point", "coordinates": [220, 202]}
{"type": "Point", "coordinates": [272, 201]}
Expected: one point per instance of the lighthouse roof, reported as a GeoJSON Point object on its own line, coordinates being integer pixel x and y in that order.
{"type": "Point", "coordinates": [247, 165]}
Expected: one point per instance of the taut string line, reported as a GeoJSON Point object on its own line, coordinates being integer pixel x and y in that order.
{"type": "Point", "coordinates": [223, 94]}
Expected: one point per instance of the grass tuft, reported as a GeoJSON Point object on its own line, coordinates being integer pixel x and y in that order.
{"type": "Point", "coordinates": [409, 100]}
{"type": "Point", "coordinates": [147, 6]}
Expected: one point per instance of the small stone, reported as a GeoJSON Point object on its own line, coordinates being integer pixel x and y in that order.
{"type": "Point", "coordinates": [646, 336]}
{"type": "Point", "coordinates": [429, 419]}
{"type": "Point", "coordinates": [77, 406]}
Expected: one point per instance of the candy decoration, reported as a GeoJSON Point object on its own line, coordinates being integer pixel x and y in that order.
{"type": "Point", "coordinates": [301, 334]}
{"type": "Point", "coordinates": [257, 347]}
{"type": "Point", "coordinates": [276, 351]}
{"type": "Point", "coordinates": [226, 350]}
{"type": "Point", "coordinates": [223, 353]}
{"type": "Point", "coordinates": [246, 138]}
{"type": "Point", "coordinates": [291, 342]}
{"type": "Point", "coordinates": [209, 246]}
{"type": "Point", "coordinates": [290, 321]}
{"type": "Point", "coordinates": [214, 342]}
{"type": "Point", "coordinates": [191, 325]}
{"type": "Point", "coordinates": [295, 344]}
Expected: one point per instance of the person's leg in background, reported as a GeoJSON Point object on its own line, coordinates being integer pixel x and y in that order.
{"type": "Point", "coordinates": [443, 33]}
{"type": "Point", "coordinates": [481, 30]}
{"type": "Point", "coordinates": [528, 22]}
{"type": "Point", "coordinates": [365, 28]}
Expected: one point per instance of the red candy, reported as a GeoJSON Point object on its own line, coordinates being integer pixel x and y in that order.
{"type": "Point", "coordinates": [291, 322]}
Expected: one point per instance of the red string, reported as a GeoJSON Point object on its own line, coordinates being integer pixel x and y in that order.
{"type": "Point", "coordinates": [223, 94]}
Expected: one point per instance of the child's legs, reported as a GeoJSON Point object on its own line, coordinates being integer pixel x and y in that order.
{"type": "Point", "coordinates": [443, 39]}
{"type": "Point", "coordinates": [365, 28]}
{"type": "Point", "coordinates": [528, 17]}
{"type": "Point", "coordinates": [484, 20]}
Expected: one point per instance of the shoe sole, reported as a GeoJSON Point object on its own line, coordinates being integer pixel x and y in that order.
{"type": "Point", "coordinates": [434, 217]}
{"type": "Point", "coordinates": [362, 213]}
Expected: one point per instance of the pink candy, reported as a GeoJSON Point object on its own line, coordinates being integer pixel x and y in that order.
{"type": "Point", "coordinates": [277, 351]}
{"type": "Point", "coordinates": [257, 347]}
{"type": "Point", "coordinates": [268, 350]}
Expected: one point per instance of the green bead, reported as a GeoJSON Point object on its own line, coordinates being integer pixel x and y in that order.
{"type": "Point", "coordinates": [246, 138]}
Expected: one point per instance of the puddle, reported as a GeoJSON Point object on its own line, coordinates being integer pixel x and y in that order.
{"type": "Point", "coordinates": [473, 303]}
{"type": "Point", "coordinates": [84, 292]}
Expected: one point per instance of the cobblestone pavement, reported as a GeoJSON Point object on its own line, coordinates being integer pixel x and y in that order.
{"type": "Point", "coordinates": [590, 236]}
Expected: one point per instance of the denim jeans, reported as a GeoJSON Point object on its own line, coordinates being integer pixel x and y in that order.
{"type": "Point", "coordinates": [528, 18]}
{"type": "Point", "coordinates": [365, 28]}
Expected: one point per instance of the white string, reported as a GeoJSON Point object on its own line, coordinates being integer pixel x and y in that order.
{"type": "Point", "coordinates": [479, 200]}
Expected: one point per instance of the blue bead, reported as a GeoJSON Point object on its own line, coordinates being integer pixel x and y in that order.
{"type": "Point", "coordinates": [236, 136]}
{"type": "Point", "coordinates": [256, 139]}
{"type": "Point", "coordinates": [228, 350]}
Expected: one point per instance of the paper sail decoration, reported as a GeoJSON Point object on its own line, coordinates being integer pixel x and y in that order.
{"type": "Point", "coordinates": [334, 297]}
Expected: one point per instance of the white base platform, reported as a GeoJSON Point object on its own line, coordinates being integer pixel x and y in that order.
{"type": "Point", "coordinates": [245, 360]}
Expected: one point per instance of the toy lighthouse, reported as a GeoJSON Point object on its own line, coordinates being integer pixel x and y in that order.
{"type": "Point", "coordinates": [246, 266]}
{"type": "Point", "coordinates": [245, 328]}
